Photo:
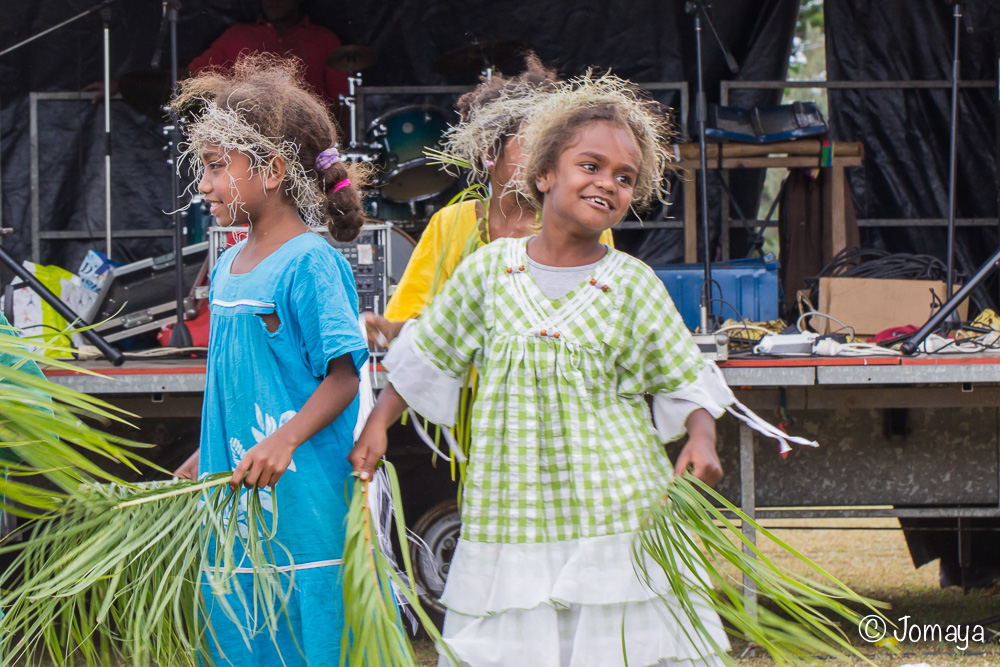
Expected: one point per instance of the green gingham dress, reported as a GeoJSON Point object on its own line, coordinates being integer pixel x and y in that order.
{"type": "Point", "coordinates": [565, 459]}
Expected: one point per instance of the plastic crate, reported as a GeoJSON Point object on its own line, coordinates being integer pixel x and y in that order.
{"type": "Point", "coordinates": [749, 286]}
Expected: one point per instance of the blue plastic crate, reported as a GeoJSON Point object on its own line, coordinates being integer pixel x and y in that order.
{"type": "Point", "coordinates": [749, 285]}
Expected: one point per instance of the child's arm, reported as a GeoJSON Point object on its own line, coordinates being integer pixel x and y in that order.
{"type": "Point", "coordinates": [266, 461]}
{"type": "Point", "coordinates": [699, 452]}
{"type": "Point", "coordinates": [189, 469]}
{"type": "Point", "coordinates": [373, 442]}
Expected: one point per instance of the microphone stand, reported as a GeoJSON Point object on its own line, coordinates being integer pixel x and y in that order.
{"type": "Point", "coordinates": [180, 336]}
{"type": "Point", "coordinates": [105, 9]}
{"type": "Point", "coordinates": [106, 17]}
{"type": "Point", "coordinates": [110, 353]}
{"type": "Point", "coordinates": [948, 307]}
{"type": "Point", "coordinates": [99, 5]}
{"type": "Point", "coordinates": [700, 10]}
{"type": "Point", "coordinates": [954, 321]}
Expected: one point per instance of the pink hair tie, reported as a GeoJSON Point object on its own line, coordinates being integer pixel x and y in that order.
{"type": "Point", "coordinates": [339, 186]}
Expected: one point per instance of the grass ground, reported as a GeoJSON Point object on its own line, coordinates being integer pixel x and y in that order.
{"type": "Point", "coordinates": [872, 558]}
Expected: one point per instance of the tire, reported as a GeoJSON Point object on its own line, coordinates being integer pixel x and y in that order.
{"type": "Point", "coordinates": [439, 528]}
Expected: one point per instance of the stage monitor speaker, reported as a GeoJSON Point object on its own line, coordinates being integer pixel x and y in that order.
{"type": "Point", "coordinates": [140, 297]}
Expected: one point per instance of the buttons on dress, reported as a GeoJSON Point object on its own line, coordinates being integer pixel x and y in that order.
{"type": "Point", "coordinates": [604, 288]}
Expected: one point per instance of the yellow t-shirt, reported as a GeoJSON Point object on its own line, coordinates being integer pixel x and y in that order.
{"type": "Point", "coordinates": [451, 235]}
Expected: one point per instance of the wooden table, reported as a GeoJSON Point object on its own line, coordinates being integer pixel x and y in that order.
{"type": "Point", "coordinates": [784, 154]}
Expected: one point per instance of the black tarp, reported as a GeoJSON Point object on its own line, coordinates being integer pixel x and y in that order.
{"type": "Point", "coordinates": [906, 132]}
{"type": "Point", "coordinates": [644, 40]}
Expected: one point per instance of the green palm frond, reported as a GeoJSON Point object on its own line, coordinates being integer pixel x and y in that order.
{"type": "Point", "coordinates": [692, 541]}
{"type": "Point", "coordinates": [446, 160]}
{"type": "Point", "coordinates": [42, 431]}
{"type": "Point", "coordinates": [373, 627]}
{"type": "Point", "coordinates": [114, 573]}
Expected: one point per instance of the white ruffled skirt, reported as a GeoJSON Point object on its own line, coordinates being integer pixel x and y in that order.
{"type": "Point", "coordinates": [565, 604]}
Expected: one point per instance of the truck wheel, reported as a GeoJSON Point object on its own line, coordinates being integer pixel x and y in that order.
{"type": "Point", "coordinates": [438, 528]}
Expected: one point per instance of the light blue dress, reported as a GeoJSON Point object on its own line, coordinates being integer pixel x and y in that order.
{"type": "Point", "coordinates": [257, 380]}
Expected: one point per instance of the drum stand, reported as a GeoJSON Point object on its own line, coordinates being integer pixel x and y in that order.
{"type": "Point", "coordinates": [350, 101]}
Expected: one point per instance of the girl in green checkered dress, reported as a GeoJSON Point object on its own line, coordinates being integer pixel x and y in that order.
{"type": "Point", "coordinates": [568, 337]}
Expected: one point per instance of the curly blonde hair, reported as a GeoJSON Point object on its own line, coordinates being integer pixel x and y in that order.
{"type": "Point", "coordinates": [557, 117]}
{"type": "Point", "coordinates": [262, 108]}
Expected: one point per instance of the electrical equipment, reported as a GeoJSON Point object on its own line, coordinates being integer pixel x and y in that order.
{"type": "Point", "coordinates": [377, 257]}
{"type": "Point", "coordinates": [800, 343]}
{"type": "Point", "coordinates": [367, 257]}
{"type": "Point", "coordinates": [139, 297]}
{"type": "Point", "coordinates": [712, 346]}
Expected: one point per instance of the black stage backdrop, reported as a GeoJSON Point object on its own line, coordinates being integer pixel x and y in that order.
{"type": "Point", "coordinates": [644, 40]}
{"type": "Point", "coordinates": [906, 133]}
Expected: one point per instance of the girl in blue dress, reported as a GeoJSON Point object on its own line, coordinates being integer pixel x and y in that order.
{"type": "Point", "coordinates": [285, 346]}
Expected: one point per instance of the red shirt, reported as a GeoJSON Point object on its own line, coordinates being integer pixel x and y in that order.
{"type": "Point", "coordinates": [311, 43]}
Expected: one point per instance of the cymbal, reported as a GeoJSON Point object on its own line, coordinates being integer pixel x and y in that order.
{"type": "Point", "coordinates": [474, 58]}
{"type": "Point", "coordinates": [146, 91]}
{"type": "Point", "coordinates": [351, 58]}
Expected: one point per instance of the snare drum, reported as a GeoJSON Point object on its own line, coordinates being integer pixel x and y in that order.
{"type": "Point", "coordinates": [403, 134]}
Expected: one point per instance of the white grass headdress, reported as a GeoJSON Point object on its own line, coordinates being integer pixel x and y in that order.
{"type": "Point", "coordinates": [555, 117]}
{"type": "Point", "coordinates": [477, 141]}
{"type": "Point", "coordinates": [228, 129]}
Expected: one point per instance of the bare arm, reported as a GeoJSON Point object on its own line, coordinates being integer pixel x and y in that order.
{"type": "Point", "coordinates": [189, 469]}
{"type": "Point", "coordinates": [267, 461]}
{"type": "Point", "coordinates": [699, 453]}
{"type": "Point", "coordinates": [372, 443]}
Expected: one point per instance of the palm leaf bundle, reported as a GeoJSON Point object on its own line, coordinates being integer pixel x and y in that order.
{"type": "Point", "coordinates": [374, 591]}
{"type": "Point", "coordinates": [42, 431]}
{"type": "Point", "coordinates": [809, 608]}
{"type": "Point", "coordinates": [114, 573]}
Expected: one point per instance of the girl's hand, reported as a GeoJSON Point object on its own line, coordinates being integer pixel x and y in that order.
{"type": "Point", "coordinates": [189, 469]}
{"type": "Point", "coordinates": [368, 450]}
{"type": "Point", "coordinates": [379, 330]}
{"type": "Point", "coordinates": [265, 463]}
{"type": "Point", "coordinates": [699, 453]}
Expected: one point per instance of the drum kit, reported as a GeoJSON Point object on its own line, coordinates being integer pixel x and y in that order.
{"type": "Point", "coordinates": [409, 185]}
{"type": "Point", "coordinates": [409, 182]}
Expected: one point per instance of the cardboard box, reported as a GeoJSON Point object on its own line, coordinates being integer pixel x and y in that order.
{"type": "Point", "coordinates": [871, 305]}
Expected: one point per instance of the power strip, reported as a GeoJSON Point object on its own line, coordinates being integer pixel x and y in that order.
{"type": "Point", "coordinates": [800, 343]}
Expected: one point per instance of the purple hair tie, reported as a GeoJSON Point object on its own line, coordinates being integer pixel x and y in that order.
{"type": "Point", "coordinates": [327, 159]}
{"type": "Point", "coordinates": [339, 186]}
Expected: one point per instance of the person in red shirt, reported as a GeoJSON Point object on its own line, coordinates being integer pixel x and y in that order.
{"type": "Point", "coordinates": [281, 29]}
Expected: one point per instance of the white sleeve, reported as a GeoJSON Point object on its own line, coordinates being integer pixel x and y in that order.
{"type": "Point", "coordinates": [708, 391]}
{"type": "Point", "coordinates": [432, 392]}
